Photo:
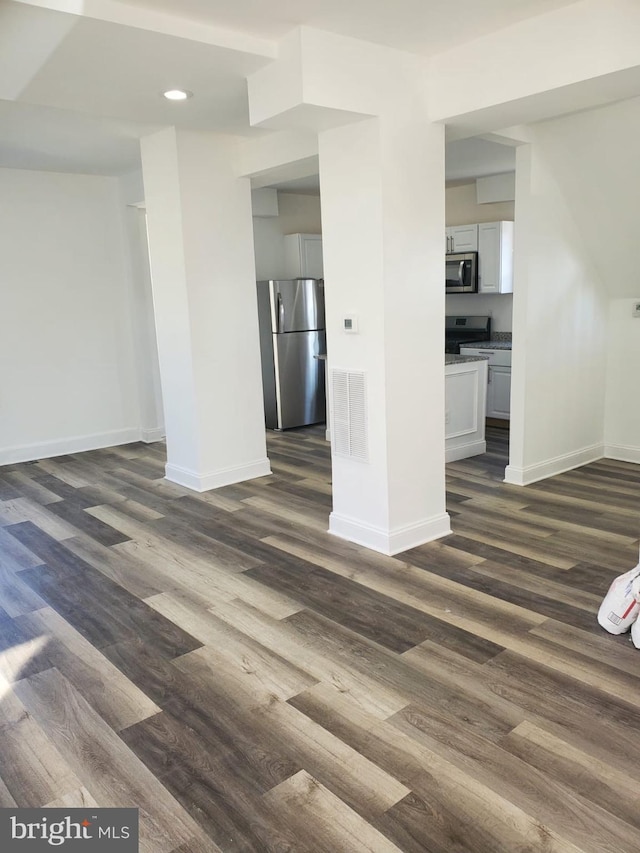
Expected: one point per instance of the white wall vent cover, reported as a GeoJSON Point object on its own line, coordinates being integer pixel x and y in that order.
{"type": "Point", "coordinates": [349, 428]}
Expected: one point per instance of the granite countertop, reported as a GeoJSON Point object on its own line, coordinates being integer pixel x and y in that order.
{"type": "Point", "coordinates": [492, 344]}
{"type": "Point", "coordinates": [463, 359]}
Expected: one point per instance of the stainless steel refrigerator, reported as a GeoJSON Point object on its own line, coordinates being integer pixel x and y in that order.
{"type": "Point", "coordinates": [292, 336]}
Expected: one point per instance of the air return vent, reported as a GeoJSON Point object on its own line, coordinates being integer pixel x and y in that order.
{"type": "Point", "coordinates": [349, 434]}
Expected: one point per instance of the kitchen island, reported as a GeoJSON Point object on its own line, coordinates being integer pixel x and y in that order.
{"type": "Point", "coordinates": [465, 405]}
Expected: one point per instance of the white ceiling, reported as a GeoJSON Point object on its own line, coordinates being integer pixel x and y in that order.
{"type": "Point", "coordinates": [77, 92]}
{"type": "Point", "coordinates": [420, 26]}
{"type": "Point", "coordinates": [476, 158]}
{"type": "Point", "coordinates": [300, 186]}
{"type": "Point", "coordinates": [50, 140]}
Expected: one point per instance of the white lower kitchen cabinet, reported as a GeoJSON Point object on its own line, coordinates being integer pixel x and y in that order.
{"type": "Point", "coordinates": [465, 403]}
{"type": "Point", "coordinates": [499, 392]}
{"type": "Point", "coordinates": [499, 381]}
{"type": "Point", "coordinates": [303, 256]}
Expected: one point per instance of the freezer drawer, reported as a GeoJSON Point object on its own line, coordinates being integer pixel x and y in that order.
{"type": "Point", "coordinates": [300, 390]}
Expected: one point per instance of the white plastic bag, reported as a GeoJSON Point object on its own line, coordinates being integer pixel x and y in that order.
{"type": "Point", "coordinates": [620, 609]}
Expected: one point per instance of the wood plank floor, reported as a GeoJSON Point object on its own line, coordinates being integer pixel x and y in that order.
{"type": "Point", "coordinates": [254, 684]}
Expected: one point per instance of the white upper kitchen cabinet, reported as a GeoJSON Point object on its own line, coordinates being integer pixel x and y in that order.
{"type": "Point", "coordinates": [303, 256]}
{"type": "Point", "coordinates": [462, 238]}
{"type": "Point", "coordinates": [495, 257]}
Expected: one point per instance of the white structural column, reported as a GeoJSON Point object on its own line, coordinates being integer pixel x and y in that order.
{"type": "Point", "coordinates": [382, 193]}
{"type": "Point", "coordinates": [382, 186]}
{"type": "Point", "coordinates": [201, 250]}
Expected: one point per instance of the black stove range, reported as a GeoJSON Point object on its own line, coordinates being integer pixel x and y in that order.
{"type": "Point", "coordinates": [465, 330]}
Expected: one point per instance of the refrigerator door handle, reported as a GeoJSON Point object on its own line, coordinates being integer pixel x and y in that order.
{"type": "Point", "coordinates": [280, 313]}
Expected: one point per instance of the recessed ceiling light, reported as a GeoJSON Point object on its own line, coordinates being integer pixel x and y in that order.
{"type": "Point", "coordinates": [177, 94]}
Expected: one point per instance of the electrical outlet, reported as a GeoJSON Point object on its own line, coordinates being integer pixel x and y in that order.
{"type": "Point", "coordinates": [636, 309]}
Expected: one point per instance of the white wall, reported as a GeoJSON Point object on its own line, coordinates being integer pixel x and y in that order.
{"type": "Point", "coordinates": [560, 310]}
{"type": "Point", "coordinates": [578, 287]}
{"type": "Point", "coordinates": [622, 418]}
{"type": "Point", "coordinates": [268, 247]}
{"type": "Point", "coordinates": [142, 312]}
{"type": "Point", "coordinates": [68, 381]}
{"type": "Point", "coordinates": [297, 214]}
{"type": "Point", "coordinates": [143, 326]}
{"type": "Point", "coordinates": [499, 308]}
{"type": "Point", "coordinates": [462, 208]}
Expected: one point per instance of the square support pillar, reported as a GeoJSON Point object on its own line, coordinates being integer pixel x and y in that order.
{"type": "Point", "coordinates": [204, 293]}
{"type": "Point", "coordinates": [382, 185]}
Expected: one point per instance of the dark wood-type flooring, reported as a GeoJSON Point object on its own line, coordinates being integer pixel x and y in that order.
{"type": "Point", "coordinates": [254, 684]}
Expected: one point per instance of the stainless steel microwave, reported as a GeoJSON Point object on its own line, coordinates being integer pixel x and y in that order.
{"type": "Point", "coordinates": [462, 272]}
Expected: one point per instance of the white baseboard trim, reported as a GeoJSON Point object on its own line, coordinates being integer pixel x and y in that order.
{"type": "Point", "coordinates": [151, 435]}
{"type": "Point", "coordinates": [389, 542]}
{"type": "Point", "coordinates": [63, 446]}
{"type": "Point", "coordinates": [622, 453]}
{"type": "Point", "coordinates": [204, 482]}
{"type": "Point", "coordinates": [557, 465]}
{"type": "Point", "coordinates": [452, 454]}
